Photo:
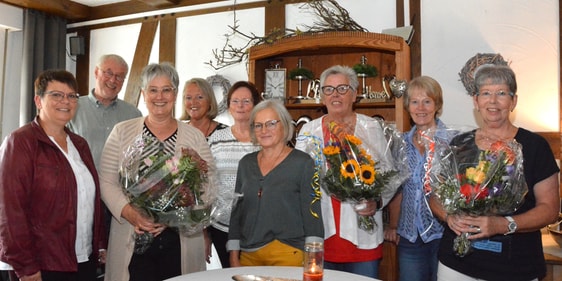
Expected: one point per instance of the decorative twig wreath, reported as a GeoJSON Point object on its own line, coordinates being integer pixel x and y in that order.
{"type": "Point", "coordinates": [220, 86]}
{"type": "Point", "coordinates": [467, 72]}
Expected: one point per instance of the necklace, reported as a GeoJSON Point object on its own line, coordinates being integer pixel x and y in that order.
{"type": "Point", "coordinates": [208, 128]}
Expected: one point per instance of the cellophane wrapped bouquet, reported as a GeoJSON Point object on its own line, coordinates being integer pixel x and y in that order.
{"type": "Point", "coordinates": [174, 190]}
{"type": "Point", "coordinates": [354, 173]}
{"type": "Point", "coordinates": [474, 182]}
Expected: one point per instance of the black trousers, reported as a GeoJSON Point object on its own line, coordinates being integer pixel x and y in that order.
{"type": "Point", "coordinates": [219, 239]}
{"type": "Point", "coordinates": [162, 260]}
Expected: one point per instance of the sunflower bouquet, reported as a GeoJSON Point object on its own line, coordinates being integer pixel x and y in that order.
{"type": "Point", "coordinates": [352, 173]}
{"type": "Point", "coordinates": [468, 181]}
{"type": "Point", "coordinates": [171, 189]}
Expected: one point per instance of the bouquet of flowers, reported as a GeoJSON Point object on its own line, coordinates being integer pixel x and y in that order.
{"type": "Point", "coordinates": [471, 182]}
{"type": "Point", "coordinates": [173, 190]}
{"type": "Point", "coordinates": [353, 175]}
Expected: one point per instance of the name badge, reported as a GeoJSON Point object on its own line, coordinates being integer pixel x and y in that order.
{"type": "Point", "coordinates": [488, 245]}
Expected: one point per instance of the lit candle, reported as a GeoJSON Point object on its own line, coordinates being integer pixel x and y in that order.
{"type": "Point", "coordinates": [313, 267]}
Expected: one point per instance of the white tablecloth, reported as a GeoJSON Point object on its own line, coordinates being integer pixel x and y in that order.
{"type": "Point", "coordinates": [271, 271]}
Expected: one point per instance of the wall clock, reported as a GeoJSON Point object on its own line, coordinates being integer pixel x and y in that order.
{"type": "Point", "coordinates": [275, 82]}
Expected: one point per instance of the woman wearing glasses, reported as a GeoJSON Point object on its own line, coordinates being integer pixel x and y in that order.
{"type": "Point", "coordinates": [228, 146]}
{"type": "Point", "coordinates": [51, 225]}
{"type": "Point", "coordinates": [346, 246]}
{"type": "Point", "coordinates": [275, 213]}
{"type": "Point", "coordinates": [169, 254]}
{"type": "Point", "coordinates": [504, 247]}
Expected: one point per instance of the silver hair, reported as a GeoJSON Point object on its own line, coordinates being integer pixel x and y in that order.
{"type": "Point", "coordinates": [153, 70]}
{"type": "Point", "coordinates": [113, 57]}
{"type": "Point", "coordinates": [341, 69]}
{"type": "Point", "coordinates": [492, 74]}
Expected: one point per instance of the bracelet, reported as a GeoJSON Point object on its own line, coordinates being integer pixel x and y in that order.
{"type": "Point", "coordinates": [446, 217]}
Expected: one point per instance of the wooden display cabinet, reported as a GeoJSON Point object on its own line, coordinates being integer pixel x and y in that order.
{"type": "Point", "coordinates": [389, 54]}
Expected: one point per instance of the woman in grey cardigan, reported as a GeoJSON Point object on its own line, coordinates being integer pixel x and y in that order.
{"type": "Point", "coordinates": [278, 210]}
{"type": "Point", "coordinates": [170, 254]}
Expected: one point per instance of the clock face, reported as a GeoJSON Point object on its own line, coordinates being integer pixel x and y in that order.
{"type": "Point", "coordinates": [275, 83]}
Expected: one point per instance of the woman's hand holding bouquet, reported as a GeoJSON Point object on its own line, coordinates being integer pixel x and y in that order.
{"type": "Point", "coordinates": [473, 182]}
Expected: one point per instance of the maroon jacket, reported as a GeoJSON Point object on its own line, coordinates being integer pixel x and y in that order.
{"type": "Point", "coordinates": [38, 202]}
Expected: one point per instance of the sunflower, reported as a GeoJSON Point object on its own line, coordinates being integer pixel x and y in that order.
{"type": "Point", "coordinates": [331, 150]}
{"type": "Point", "coordinates": [368, 174]}
{"type": "Point", "coordinates": [349, 168]}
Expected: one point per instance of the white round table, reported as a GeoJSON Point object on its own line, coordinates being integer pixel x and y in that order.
{"type": "Point", "coordinates": [289, 272]}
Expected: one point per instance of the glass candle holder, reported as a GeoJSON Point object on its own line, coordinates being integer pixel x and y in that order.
{"type": "Point", "coordinates": [313, 267]}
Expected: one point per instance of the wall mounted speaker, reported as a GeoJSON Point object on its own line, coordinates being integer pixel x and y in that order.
{"type": "Point", "coordinates": [77, 45]}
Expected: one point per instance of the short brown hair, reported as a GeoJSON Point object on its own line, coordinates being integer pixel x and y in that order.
{"type": "Point", "coordinates": [47, 76]}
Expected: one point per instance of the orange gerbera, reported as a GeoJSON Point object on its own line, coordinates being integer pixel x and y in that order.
{"type": "Point", "coordinates": [499, 147]}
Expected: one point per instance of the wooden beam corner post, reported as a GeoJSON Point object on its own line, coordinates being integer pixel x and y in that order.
{"type": "Point", "coordinates": [140, 60]}
{"type": "Point", "coordinates": [274, 16]}
{"type": "Point", "coordinates": [168, 40]}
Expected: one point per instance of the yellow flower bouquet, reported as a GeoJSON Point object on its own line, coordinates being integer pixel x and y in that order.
{"type": "Point", "coordinates": [352, 173]}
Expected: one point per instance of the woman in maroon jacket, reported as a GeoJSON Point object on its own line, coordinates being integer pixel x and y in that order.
{"type": "Point", "coordinates": [50, 216]}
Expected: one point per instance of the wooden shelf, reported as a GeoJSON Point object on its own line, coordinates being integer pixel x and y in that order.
{"type": "Point", "coordinates": [389, 54]}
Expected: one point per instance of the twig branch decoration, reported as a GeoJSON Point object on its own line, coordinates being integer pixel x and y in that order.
{"type": "Point", "coordinates": [332, 17]}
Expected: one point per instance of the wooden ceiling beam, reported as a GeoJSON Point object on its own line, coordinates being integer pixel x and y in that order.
{"type": "Point", "coordinates": [160, 3]}
{"type": "Point", "coordinates": [138, 6]}
{"type": "Point", "coordinates": [64, 8]}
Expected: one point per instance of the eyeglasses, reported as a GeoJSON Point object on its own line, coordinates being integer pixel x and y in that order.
{"type": "Point", "coordinates": [499, 95]}
{"type": "Point", "coordinates": [108, 75]}
{"type": "Point", "coordinates": [244, 102]}
{"type": "Point", "coordinates": [59, 96]}
{"type": "Point", "coordinates": [269, 125]}
{"type": "Point", "coordinates": [166, 91]}
{"type": "Point", "coordinates": [341, 89]}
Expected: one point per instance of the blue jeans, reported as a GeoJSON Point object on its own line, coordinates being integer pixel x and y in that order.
{"type": "Point", "coordinates": [366, 268]}
{"type": "Point", "coordinates": [418, 261]}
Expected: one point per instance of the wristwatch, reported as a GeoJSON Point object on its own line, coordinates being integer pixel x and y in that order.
{"type": "Point", "coordinates": [511, 225]}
